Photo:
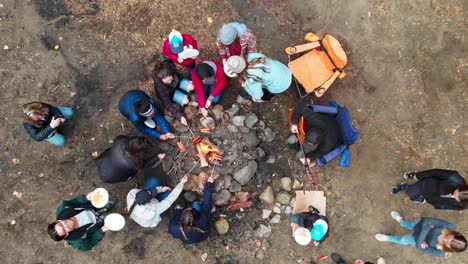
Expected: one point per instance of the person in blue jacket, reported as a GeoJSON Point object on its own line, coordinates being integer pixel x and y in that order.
{"type": "Point", "coordinates": [192, 226]}
{"type": "Point", "coordinates": [144, 114]}
{"type": "Point", "coordinates": [432, 236]}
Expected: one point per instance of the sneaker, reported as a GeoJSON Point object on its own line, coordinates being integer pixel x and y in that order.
{"type": "Point", "coordinates": [381, 237]}
{"type": "Point", "coordinates": [398, 189]}
{"type": "Point", "coordinates": [395, 215]}
{"type": "Point", "coordinates": [337, 258]}
{"type": "Point", "coordinates": [420, 200]}
{"type": "Point", "coordinates": [409, 175]}
{"type": "Point", "coordinates": [380, 260]}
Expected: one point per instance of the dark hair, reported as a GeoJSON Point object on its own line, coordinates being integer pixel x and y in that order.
{"type": "Point", "coordinates": [52, 233]}
{"type": "Point", "coordinates": [142, 106]}
{"type": "Point", "coordinates": [163, 69]}
{"type": "Point", "coordinates": [314, 135]}
{"type": "Point", "coordinates": [204, 71]}
{"type": "Point", "coordinates": [139, 148]}
{"type": "Point", "coordinates": [187, 218]}
{"type": "Point", "coordinates": [463, 196]}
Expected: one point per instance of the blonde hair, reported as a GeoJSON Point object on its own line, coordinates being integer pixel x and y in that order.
{"type": "Point", "coordinates": [244, 75]}
{"type": "Point", "coordinates": [458, 244]}
{"type": "Point", "coordinates": [35, 108]}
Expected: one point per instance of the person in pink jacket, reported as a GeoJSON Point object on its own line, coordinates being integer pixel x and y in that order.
{"type": "Point", "coordinates": [174, 47]}
{"type": "Point", "coordinates": [208, 80]}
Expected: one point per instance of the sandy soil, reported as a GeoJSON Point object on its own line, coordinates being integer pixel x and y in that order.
{"type": "Point", "coordinates": [406, 90]}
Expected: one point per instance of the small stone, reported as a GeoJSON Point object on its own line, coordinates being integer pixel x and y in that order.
{"type": "Point", "coordinates": [217, 111]}
{"type": "Point", "coordinates": [6, 47]}
{"type": "Point", "coordinates": [208, 122]}
{"type": "Point", "coordinates": [227, 181]}
{"type": "Point", "coordinates": [233, 111]}
{"type": "Point", "coordinates": [276, 184]}
{"type": "Point", "coordinates": [242, 101]}
{"type": "Point", "coordinates": [251, 139]}
{"type": "Point", "coordinates": [271, 160]}
{"type": "Point", "coordinates": [204, 256]}
{"type": "Point", "coordinates": [260, 255]}
{"type": "Point", "coordinates": [267, 135]}
{"type": "Point", "coordinates": [235, 186]}
{"type": "Point", "coordinates": [286, 184]}
{"type": "Point", "coordinates": [242, 196]}
{"type": "Point", "coordinates": [12, 222]}
{"type": "Point", "coordinates": [238, 121]}
{"type": "Point", "coordinates": [250, 120]}
{"type": "Point", "coordinates": [191, 112]}
{"type": "Point", "coordinates": [263, 231]}
{"type": "Point", "coordinates": [190, 196]}
{"type": "Point", "coordinates": [265, 244]}
{"type": "Point", "coordinates": [288, 210]}
{"type": "Point", "coordinates": [267, 195]}
{"type": "Point", "coordinates": [222, 226]}
{"type": "Point", "coordinates": [297, 185]}
{"type": "Point", "coordinates": [283, 198]}
{"type": "Point", "coordinates": [276, 210]}
{"type": "Point", "coordinates": [276, 219]}
{"type": "Point", "coordinates": [219, 184]}
{"type": "Point", "coordinates": [232, 128]}
{"type": "Point", "coordinates": [266, 213]}
{"type": "Point", "coordinates": [260, 153]}
{"type": "Point", "coordinates": [222, 197]}
{"type": "Point", "coordinates": [244, 130]}
{"type": "Point", "coordinates": [246, 173]}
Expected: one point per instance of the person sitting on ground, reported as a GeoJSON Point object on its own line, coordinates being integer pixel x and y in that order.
{"type": "Point", "coordinates": [235, 39]}
{"type": "Point", "coordinates": [208, 79]}
{"type": "Point", "coordinates": [42, 121]}
{"type": "Point", "coordinates": [313, 221]}
{"type": "Point", "coordinates": [339, 260]}
{"type": "Point", "coordinates": [261, 76]}
{"type": "Point", "coordinates": [125, 158]}
{"type": "Point", "coordinates": [79, 223]}
{"type": "Point", "coordinates": [174, 46]}
{"type": "Point", "coordinates": [166, 81]}
{"type": "Point", "coordinates": [144, 114]}
{"type": "Point", "coordinates": [147, 206]}
{"type": "Point", "coordinates": [192, 225]}
{"type": "Point", "coordinates": [321, 136]}
{"type": "Point", "coordinates": [430, 235]}
{"type": "Point", "coordinates": [444, 189]}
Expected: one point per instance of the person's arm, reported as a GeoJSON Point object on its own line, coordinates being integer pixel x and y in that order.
{"type": "Point", "coordinates": [163, 205]}
{"type": "Point", "coordinates": [254, 89]}
{"type": "Point", "coordinates": [166, 100]}
{"type": "Point", "coordinates": [189, 40]}
{"type": "Point", "coordinates": [443, 203]}
{"type": "Point", "coordinates": [302, 110]}
{"type": "Point", "coordinates": [145, 129]}
{"type": "Point", "coordinates": [78, 202]}
{"type": "Point", "coordinates": [161, 122]}
{"type": "Point", "coordinates": [221, 49]}
{"type": "Point", "coordinates": [36, 133]}
{"type": "Point", "coordinates": [435, 173]}
{"type": "Point", "coordinates": [249, 45]}
{"type": "Point", "coordinates": [204, 219]}
{"type": "Point", "coordinates": [167, 51]}
{"type": "Point", "coordinates": [438, 223]}
{"type": "Point", "coordinates": [221, 81]}
{"type": "Point", "coordinates": [87, 244]}
{"type": "Point", "coordinates": [434, 252]}
{"type": "Point", "coordinates": [199, 90]}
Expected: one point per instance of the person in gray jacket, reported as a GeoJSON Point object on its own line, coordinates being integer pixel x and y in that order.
{"type": "Point", "coordinates": [430, 235]}
{"type": "Point", "coordinates": [147, 206]}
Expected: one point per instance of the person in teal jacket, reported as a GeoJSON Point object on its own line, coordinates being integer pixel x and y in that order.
{"type": "Point", "coordinates": [433, 236]}
{"type": "Point", "coordinates": [79, 223]}
{"type": "Point", "coordinates": [262, 77]}
{"type": "Point", "coordinates": [144, 114]}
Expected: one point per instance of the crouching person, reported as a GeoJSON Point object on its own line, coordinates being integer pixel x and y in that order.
{"type": "Point", "coordinates": [192, 225]}
{"type": "Point", "coordinates": [79, 223]}
{"type": "Point", "coordinates": [147, 206]}
{"type": "Point", "coordinates": [313, 221]}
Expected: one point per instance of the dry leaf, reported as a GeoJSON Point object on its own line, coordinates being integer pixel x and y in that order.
{"type": "Point", "coordinates": [95, 154]}
{"type": "Point", "coordinates": [209, 20]}
{"type": "Point", "coordinates": [204, 256]}
{"type": "Point", "coordinates": [15, 161]}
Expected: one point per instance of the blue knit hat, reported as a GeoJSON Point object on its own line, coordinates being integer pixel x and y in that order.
{"type": "Point", "coordinates": [228, 34]}
{"type": "Point", "coordinates": [176, 42]}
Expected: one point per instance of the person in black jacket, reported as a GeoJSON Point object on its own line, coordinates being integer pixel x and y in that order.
{"type": "Point", "coordinates": [322, 133]}
{"type": "Point", "coordinates": [124, 159]}
{"type": "Point", "coordinates": [42, 121]}
{"type": "Point", "coordinates": [166, 80]}
{"type": "Point", "coordinates": [313, 221]}
{"type": "Point", "coordinates": [444, 189]}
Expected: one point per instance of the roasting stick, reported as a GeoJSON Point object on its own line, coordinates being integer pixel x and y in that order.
{"type": "Point", "coordinates": [191, 169]}
{"type": "Point", "coordinates": [312, 176]}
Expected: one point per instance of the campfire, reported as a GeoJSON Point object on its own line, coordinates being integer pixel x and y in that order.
{"type": "Point", "coordinates": [207, 151]}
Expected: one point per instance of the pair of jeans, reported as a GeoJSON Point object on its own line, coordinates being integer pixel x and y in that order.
{"type": "Point", "coordinates": [208, 89]}
{"type": "Point", "coordinates": [406, 240]}
{"type": "Point", "coordinates": [55, 137]}
{"type": "Point", "coordinates": [155, 182]}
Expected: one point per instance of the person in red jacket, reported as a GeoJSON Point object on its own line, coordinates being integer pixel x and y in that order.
{"type": "Point", "coordinates": [174, 48]}
{"type": "Point", "coordinates": [209, 80]}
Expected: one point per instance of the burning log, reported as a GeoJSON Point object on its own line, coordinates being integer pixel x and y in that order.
{"type": "Point", "coordinates": [202, 156]}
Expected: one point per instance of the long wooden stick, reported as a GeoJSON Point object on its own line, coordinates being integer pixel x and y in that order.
{"type": "Point", "coordinates": [312, 176]}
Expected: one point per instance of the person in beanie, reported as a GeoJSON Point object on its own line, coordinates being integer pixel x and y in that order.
{"type": "Point", "coordinates": [173, 48]}
{"type": "Point", "coordinates": [208, 80]}
{"type": "Point", "coordinates": [235, 39]}
{"type": "Point", "coordinates": [42, 121]}
{"type": "Point", "coordinates": [261, 76]}
{"type": "Point", "coordinates": [144, 114]}
{"type": "Point", "coordinates": [321, 137]}
{"type": "Point", "coordinates": [192, 225]}
{"type": "Point", "coordinates": [148, 206]}
{"type": "Point", "coordinates": [432, 236]}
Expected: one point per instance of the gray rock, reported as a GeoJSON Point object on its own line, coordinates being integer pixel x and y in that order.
{"type": "Point", "coordinates": [263, 231]}
{"type": "Point", "coordinates": [266, 244]}
{"type": "Point", "coordinates": [283, 198]}
{"type": "Point", "coordinates": [276, 219]}
{"type": "Point", "coordinates": [222, 226]}
{"type": "Point", "coordinates": [238, 120]}
{"type": "Point", "coordinates": [266, 213]}
{"type": "Point", "coordinates": [246, 173]}
{"type": "Point", "coordinates": [208, 122]}
{"type": "Point", "coordinates": [227, 181]}
{"type": "Point", "coordinates": [260, 153]}
{"type": "Point", "coordinates": [288, 210]}
{"type": "Point", "coordinates": [297, 185]}
{"type": "Point", "coordinates": [268, 135]}
{"type": "Point", "coordinates": [244, 130]}
{"type": "Point", "coordinates": [217, 111]}
{"type": "Point", "coordinates": [232, 128]}
{"type": "Point", "coordinates": [190, 196]}
{"type": "Point", "coordinates": [221, 197]}
{"type": "Point", "coordinates": [242, 101]}
{"type": "Point", "coordinates": [271, 159]}
{"type": "Point", "coordinates": [286, 184]}
{"type": "Point", "coordinates": [276, 210]}
{"type": "Point", "coordinates": [267, 195]}
{"type": "Point", "coordinates": [260, 255]}
{"type": "Point", "coordinates": [250, 120]}
{"type": "Point", "coordinates": [251, 139]}
{"type": "Point", "coordinates": [234, 110]}
{"type": "Point", "coordinates": [235, 187]}
{"type": "Point", "coordinates": [219, 184]}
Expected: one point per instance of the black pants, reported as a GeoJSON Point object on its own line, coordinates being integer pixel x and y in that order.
{"type": "Point", "coordinates": [267, 95]}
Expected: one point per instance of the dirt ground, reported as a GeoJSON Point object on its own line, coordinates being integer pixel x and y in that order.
{"type": "Point", "coordinates": [406, 90]}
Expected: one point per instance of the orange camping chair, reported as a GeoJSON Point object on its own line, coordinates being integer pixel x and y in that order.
{"type": "Point", "coordinates": [301, 126]}
{"type": "Point", "coordinates": [317, 64]}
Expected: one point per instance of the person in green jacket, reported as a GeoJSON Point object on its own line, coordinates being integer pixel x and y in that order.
{"type": "Point", "coordinates": [79, 223]}
{"type": "Point", "coordinates": [262, 77]}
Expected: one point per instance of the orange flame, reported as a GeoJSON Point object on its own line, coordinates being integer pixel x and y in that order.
{"type": "Point", "coordinates": [207, 149]}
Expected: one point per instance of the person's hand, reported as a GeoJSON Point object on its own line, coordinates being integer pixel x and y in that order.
{"type": "Point", "coordinates": [208, 104]}
{"type": "Point", "coordinates": [183, 121]}
{"type": "Point", "coordinates": [204, 112]}
{"type": "Point", "coordinates": [190, 86]}
{"type": "Point", "coordinates": [179, 59]}
{"type": "Point", "coordinates": [184, 179]}
{"type": "Point", "coordinates": [169, 135]}
{"type": "Point", "coordinates": [163, 137]}
{"type": "Point", "coordinates": [316, 243]}
{"type": "Point", "coordinates": [185, 101]}
{"type": "Point", "coordinates": [165, 189]}
{"type": "Point", "coordinates": [359, 261]}
{"type": "Point", "coordinates": [294, 129]}
{"type": "Point", "coordinates": [243, 84]}
{"type": "Point", "coordinates": [194, 57]}
{"type": "Point", "coordinates": [210, 179]}
{"type": "Point", "coordinates": [161, 156]}
{"type": "Point", "coordinates": [424, 245]}
{"type": "Point", "coordinates": [56, 121]}
{"type": "Point", "coordinates": [89, 195]}
{"type": "Point", "coordinates": [105, 229]}
{"type": "Point", "coordinates": [224, 61]}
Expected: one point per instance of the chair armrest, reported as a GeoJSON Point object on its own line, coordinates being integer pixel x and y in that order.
{"type": "Point", "coordinates": [301, 48]}
{"type": "Point", "coordinates": [321, 91]}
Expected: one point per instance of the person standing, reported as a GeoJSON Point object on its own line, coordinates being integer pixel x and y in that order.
{"type": "Point", "coordinates": [235, 39]}
{"type": "Point", "coordinates": [42, 121]}
{"type": "Point", "coordinates": [443, 189]}
{"type": "Point", "coordinates": [144, 114]}
{"type": "Point", "coordinates": [208, 80]}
